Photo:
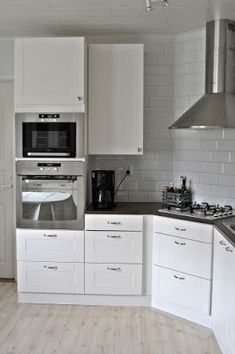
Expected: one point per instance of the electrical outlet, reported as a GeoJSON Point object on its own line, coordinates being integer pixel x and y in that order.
{"type": "Point", "coordinates": [130, 170]}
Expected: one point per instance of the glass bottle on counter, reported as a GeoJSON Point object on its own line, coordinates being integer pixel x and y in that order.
{"type": "Point", "coordinates": [183, 180]}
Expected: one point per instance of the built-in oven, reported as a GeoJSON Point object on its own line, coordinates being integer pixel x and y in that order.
{"type": "Point", "coordinates": [50, 194]}
{"type": "Point", "coordinates": [49, 135]}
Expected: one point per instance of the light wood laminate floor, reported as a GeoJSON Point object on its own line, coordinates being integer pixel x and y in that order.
{"type": "Point", "coordinates": [66, 329]}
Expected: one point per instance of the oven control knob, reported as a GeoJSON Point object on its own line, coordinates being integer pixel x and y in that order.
{"type": "Point", "coordinates": [41, 169]}
{"type": "Point", "coordinates": [55, 168]}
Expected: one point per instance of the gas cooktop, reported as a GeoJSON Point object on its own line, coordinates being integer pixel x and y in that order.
{"type": "Point", "coordinates": [201, 210]}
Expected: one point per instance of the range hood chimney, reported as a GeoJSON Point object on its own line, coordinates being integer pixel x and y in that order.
{"type": "Point", "coordinates": [216, 109]}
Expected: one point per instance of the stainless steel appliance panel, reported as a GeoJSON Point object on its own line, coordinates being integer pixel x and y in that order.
{"type": "Point", "coordinates": [50, 198]}
{"type": "Point", "coordinates": [51, 142]}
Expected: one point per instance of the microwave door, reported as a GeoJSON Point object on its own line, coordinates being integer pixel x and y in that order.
{"type": "Point", "coordinates": [49, 139]}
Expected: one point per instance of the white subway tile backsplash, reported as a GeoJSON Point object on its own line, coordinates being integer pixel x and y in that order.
{"type": "Point", "coordinates": [152, 176]}
{"type": "Point", "coordinates": [160, 102]}
{"type": "Point", "coordinates": [229, 168]}
{"type": "Point", "coordinates": [220, 156]}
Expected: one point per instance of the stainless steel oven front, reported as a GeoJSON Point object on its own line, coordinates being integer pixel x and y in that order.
{"type": "Point", "coordinates": [50, 194]}
{"type": "Point", "coordinates": [49, 135]}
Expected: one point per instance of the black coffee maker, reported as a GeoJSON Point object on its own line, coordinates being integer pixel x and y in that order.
{"type": "Point", "coordinates": [103, 189]}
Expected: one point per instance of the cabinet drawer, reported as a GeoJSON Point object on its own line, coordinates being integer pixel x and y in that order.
{"type": "Point", "coordinates": [188, 229]}
{"type": "Point", "coordinates": [114, 222]}
{"type": "Point", "coordinates": [182, 289]}
{"type": "Point", "coordinates": [115, 247]}
{"type": "Point", "coordinates": [113, 279]}
{"type": "Point", "coordinates": [50, 245]}
{"type": "Point", "coordinates": [184, 255]}
{"type": "Point", "coordinates": [50, 277]}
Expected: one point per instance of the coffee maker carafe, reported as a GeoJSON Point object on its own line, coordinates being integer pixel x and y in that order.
{"type": "Point", "coordinates": [103, 189]}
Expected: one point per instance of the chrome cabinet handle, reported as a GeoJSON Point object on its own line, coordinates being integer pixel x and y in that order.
{"type": "Point", "coordinates": [51, 236]}
{"type": "Point", "coordinates": [7, 186]}
{"type": "Point", "coordinates": [139, 149]}
{"type": "Point", "coordinates": [178, 229]}
{"type": "Point", "coordinates": [114, 236]}
{"type": "Point", "coordinates": [180, 243]}
{"type": "Point", "coordinates": [114, 222]}
{"type": "Point", "coordinates": [228, 249]}
{"type": "Point", "coordinates": [179, 278]}
{"type": "Point", "coordinates": [222, 243]}
{"type": "Point", "coordinates": [51, 267]}
{"type": "Point", "coordinates": [115, 269]}
{"type": "Point", "coordinates": [78, 98]}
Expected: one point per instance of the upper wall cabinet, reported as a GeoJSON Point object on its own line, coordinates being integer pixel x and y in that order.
{"type": "Point", "coordinates": [116, 99]}
{"type": "Point", "coordinates": [50, 74]}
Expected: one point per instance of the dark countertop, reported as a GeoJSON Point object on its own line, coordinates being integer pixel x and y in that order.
{"type": "Point", "coordinates": [148, 208]}
{"type": "Point", "coordinates": [128, 208]}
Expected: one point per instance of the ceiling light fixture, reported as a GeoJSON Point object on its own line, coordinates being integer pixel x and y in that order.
{"type": "Point", "coordinates": [158, 2]}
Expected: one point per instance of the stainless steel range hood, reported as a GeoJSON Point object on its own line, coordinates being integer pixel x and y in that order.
{"type": "Point", "coordinates": [216, 109]}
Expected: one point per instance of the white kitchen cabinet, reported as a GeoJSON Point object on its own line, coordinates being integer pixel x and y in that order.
{"type": "Point", "coordinates": [229, 333]}
{"type": "Point", "coordinates": [183, 228]}
{"type": "Point", "coordinates": [114, 222]}
{"type": "Point", "coordinates": [113, 279]}
{"type": "Point", "coordinates": [182, 289]}
{"type": "Point", "coordinates": [182, 263]}
{"type": "Point", "coordinates": [113, 254]}
{"type": "Point", "coordinates": [50, 245]}
{"type": "Point", "coordinates": [223, 306]}
{"type": "Point", "coordinates": [50, 277]}
{"type": "Point", "coordinates": [50, 261]}
{"type": "Point", "coordinates": [116, 99]}
{"type": "Point", "coordinates": [183, 255]}
{"type": "Point", "coordinates": [114, 246]}
{"type": "Point", "coordinates": [50, 74]}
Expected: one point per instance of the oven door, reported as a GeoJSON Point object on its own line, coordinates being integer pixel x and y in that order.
{"type": "Point", "coordinates": [50, 202]}
{"type": "Point", "coordinates": [49, 139]}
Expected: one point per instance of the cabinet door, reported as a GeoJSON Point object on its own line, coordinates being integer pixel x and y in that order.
{"type": "Point", "coordinates": [229, 336]}
{"type": "Point", "coordinates": [113, 279]}
{"type": "Point", "coordinates": [49, 72]}
{"type": "Point", "coordinates": [116, 99]}
{"type": "Point", "coordinates": [184, 255]}
{"type": "Point", "coordinates": [220, 286]}
{"type": "Point", "coordinates": [182, 228]}
{"type": "Point", "coordinates": [115, 247]}
{"type": "Point", "coordinates": [114, 222]}
{"type": "Point", "coordinates": [50, 245]}
{"type": "Point", "coordinates": [182, 289]}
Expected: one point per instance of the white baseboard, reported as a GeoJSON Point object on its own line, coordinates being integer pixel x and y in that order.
{"type": "Point", "coordinates": [69, 299]}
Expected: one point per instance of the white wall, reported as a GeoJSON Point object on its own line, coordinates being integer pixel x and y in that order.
{"type": "Point", "coordinates": [206, 157]}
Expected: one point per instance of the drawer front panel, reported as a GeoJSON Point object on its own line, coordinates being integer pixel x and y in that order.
{"type": "Point", "coordinates": [184, 255]}
{"type": "Point", "coordinates": [182, 289]}
{"type": "Point", "coordinates": [48, 277]}
{"type": "Point", "coordinates": [115, 247]}
{"type": "Point", "coordinates": [186, 229]}
{"type": "Point", "coordinates": [114, 222]}
{"type": "Point", "coordinates": [50, 245]}
{"type": "Point", "coordinates": [113, 279]}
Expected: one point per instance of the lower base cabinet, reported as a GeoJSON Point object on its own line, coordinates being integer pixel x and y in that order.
{"type": "Point", "coordinates": [51, 277]}
{"type": "Point", "coordinates": [223, 304]}
{"type": "Point", "coordinates": [182, 289]}
{"type": "Point", "coordinates": [113, 279]}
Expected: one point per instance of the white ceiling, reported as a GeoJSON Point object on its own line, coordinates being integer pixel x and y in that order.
{"type": "Point", "coordinates": [74, 17]}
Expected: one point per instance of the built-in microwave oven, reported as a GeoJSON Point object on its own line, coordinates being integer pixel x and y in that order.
{"type": "Point", "coordinates": [53, 135]}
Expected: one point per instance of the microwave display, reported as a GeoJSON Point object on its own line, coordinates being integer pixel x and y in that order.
{"type": "Point", "coordinates": [49, 139]}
